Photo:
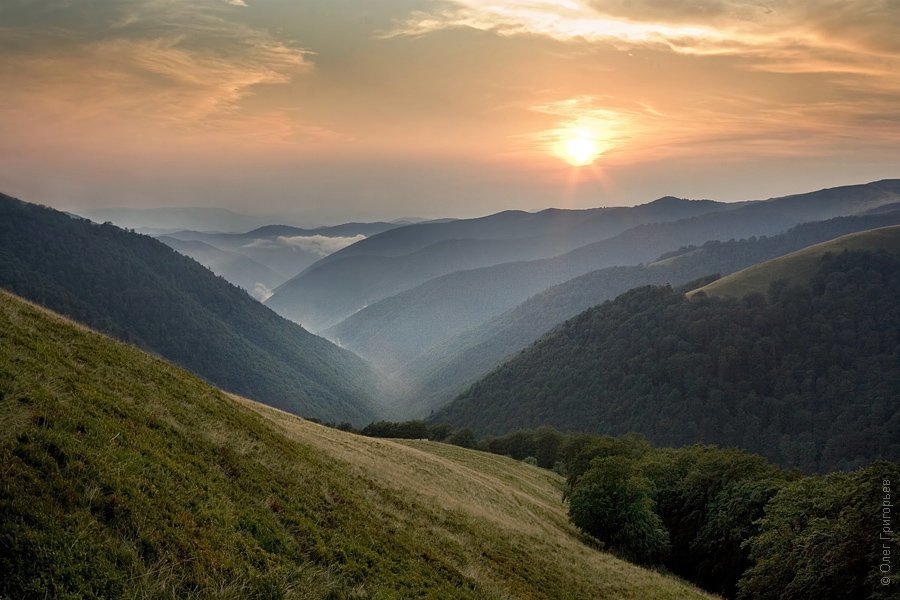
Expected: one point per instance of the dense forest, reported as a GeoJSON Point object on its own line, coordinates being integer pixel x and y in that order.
{"type": "Point", "coordinates": [435, 377]}
{"type": "Point", "coordinates": [732, 522]}
{"type": "Point", "coordinates": [808, 377]}
{"type": "Point", "coordinates": [141, 291]}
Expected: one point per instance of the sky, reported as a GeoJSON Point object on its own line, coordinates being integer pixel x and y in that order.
{"type": "Point", "coordinates": [336, 110]}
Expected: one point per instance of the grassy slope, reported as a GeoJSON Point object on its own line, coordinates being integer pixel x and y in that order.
{"type": "Point", "coordinates": [126, 476]}
{"type": "Point", "coordinates": [799, 266]}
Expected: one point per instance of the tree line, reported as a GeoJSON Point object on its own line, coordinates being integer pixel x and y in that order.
{"type": "Point", "coordinates": [725, 519]}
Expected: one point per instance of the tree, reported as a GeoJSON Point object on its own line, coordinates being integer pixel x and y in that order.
{"type": "Point", "coordinates": [464, 438]}
{"type": "Point", "coordinates": [613, 502]}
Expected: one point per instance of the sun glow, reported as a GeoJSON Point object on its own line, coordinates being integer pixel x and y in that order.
{"type": "Point", "coordinates": [579, 147]}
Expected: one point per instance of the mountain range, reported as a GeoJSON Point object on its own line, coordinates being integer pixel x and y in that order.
{"type": "Point", "coordinates": [768, 327]}
{"type": "Point", "coordinates": [380, 266]}
{"type": "Point", "coordinates": [397, 330]}
{"type": "Point", "coordinates": [280, 251]}
{"type": "Point", "coordinates": [436, 376]}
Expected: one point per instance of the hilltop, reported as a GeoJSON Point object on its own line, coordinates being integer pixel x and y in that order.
{"type": "Point", "coordinates": [125, 476]}
{"type": "Point", "coordinates": [798, 267]}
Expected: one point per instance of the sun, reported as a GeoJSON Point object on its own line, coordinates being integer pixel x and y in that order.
{"type": "Point", "coordinates": [579, 147]}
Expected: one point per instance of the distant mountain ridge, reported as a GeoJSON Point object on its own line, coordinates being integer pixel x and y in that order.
{"type": "Point", "coordinates": [382, 265]}
{"type": "Point", "coordinates": [282, 250]}
{"type": "Point", "coordinates": [275, 230]}
{"type": "Point", "coordinates": [172, 218]}
{"type": "Point", "coordinates": [141, 291]}
{"type": "Point", "coordinates": [254, 277]}
{"type": "Point", "coordinates": [400, 328]}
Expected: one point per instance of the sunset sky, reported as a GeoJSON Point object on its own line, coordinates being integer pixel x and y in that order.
{"type": "Point", "coordinates": [334, 110]}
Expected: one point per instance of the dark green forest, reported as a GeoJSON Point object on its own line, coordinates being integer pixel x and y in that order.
{"type": "Point", "coordinates": [440, 374]}
{"type": "Point", "coordinates": [731, 522]}
{"type": "Point", "coordinates": [808, 377]}
{"type": "Point", "coordinates": [143, 292]}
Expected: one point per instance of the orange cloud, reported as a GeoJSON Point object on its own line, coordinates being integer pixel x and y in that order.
{"type": "Point", "coordinates": [792, 36]}
{"type": "Point", "coordinates": [155, 65]}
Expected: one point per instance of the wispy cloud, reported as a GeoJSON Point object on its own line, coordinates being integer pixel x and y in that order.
{"type": "Point", "coordinates": [321, 245]}
{"type": "Point", "coordinates": [850, 47]}
{"type": "Point", "coordinates": [181, 65]}
{"type": "Point", "coordinates": [261, 292]}
{"type": "Point", "coordinates": [792, 36]}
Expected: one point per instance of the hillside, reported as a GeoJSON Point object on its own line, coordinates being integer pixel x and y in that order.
{"type": "Point", "coordinates": [394, 331]}
{"type": "Point", "coordinates": [807, 377]}
{"type": "Point", "coordinates": [798, 267]}
{"type": "Point", "coordinates": [127, 477]}
{"type": "Point", "coordinates": [435, 377]}
{"type": "Point", "coordinates": [386, 264]}
{"type": "Point", "coordinates": [141, 291]}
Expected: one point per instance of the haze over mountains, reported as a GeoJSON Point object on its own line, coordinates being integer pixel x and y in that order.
{"type": "Point", "coordinates": [168, 219]}
{"type": "Point", "coordinates": [433, 306]}
{"type": "Point", "coordinates": [278, 252]}
{"type": "Point", "coordinates": [437, 375]}
{"type": "Point", "coordinates": [351, 279]}
{"type": "Point", "coordinates": [398, 329]}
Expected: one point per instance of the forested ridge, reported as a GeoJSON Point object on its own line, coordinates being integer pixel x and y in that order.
{"type": "Point", "coordinates": [142, 292]}
{"type": "Point", "coordinates": [437, 376]}
{"type": "Point", "coordinates": [808, 376]}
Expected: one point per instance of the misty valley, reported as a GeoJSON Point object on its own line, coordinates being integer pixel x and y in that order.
{"type": "Point", "coordinates": [449, 300]}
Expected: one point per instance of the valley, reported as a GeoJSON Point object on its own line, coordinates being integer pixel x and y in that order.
{"type": "Point", "coordinates": [449, 299]}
